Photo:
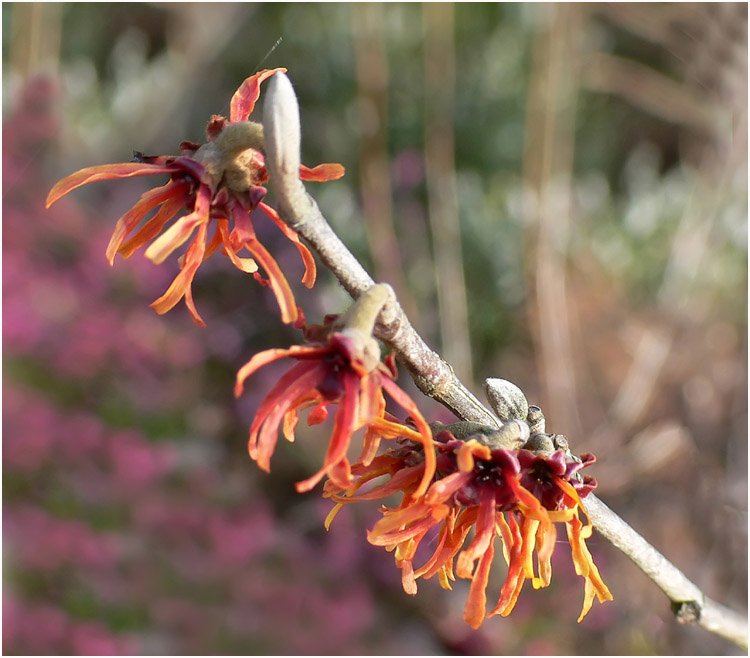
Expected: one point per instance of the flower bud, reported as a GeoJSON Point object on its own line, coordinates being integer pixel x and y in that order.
{"type": "Point", "coordinates": [512, 435]}
{"type": "Point", "coordinates": [506, 399]}
{"type": "Point", "coordinates": [535, 419]}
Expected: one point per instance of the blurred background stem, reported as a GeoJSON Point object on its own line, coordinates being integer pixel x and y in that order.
{"type": "Point", "coordinates": [374, 158]}
{"type": "Point", "coordinates": [547, 167]}
{"type": "Point", "coordinates": [440, 171]}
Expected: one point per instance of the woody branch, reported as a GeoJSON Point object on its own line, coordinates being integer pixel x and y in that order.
{"type": "Point", "coordinates": [434, 376]}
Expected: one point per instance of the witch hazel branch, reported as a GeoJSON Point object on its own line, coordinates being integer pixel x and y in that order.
{"type": "Point", "coordinates": [493, 474]}
{"type": "Point", "coordinates": [435, 378]}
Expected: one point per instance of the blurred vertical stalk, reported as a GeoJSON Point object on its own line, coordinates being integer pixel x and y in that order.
{"type": "Point", "coordinates": [35, 38]}
{"type": "Point", "coordinates": [440, 170]}
{"type": "Point", "coordinates": [548, 162]}
{"type": "Point", "coordinates": [375, 175]}
{"type": "Point", "coordinates": [710, 43]}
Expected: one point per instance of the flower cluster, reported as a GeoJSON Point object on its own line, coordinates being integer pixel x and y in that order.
{"type": "Point", "coordinates": [341, 366]}
{"type": "Point", "coordinates": [518, 495]}
{"type": "Point", "coordinates": [220, 180]}
{"type": "Point", "coordinates": [450, 487]}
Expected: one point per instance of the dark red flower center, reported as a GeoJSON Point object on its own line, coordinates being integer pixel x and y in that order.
{"type": "Point", "coordinates": [337, 368]}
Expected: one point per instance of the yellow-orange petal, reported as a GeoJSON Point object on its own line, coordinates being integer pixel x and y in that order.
{"type": "Point", "coordinates": [468, 451]}
{"type": "Point", "coordinates": [191, 307]}
{"type": "Point", "coordinates": [476, 604]}
{"type": "Point", "coordinates": [513, 551]}
{"type": "Point", "coordinates": [408, 581]}
{"type": "Point", "coordinates": [406, 403]}
{"type": "Point", "coordinates": [545, 546]}
{"type": "Point", "coordinates": [584, 562]}
{"type": "Point", "coordinates": [104, 172]}
{"type": "Point", "coordinates": [588, 599]}
{"type": "Point", "coordinates": [441, 490]}
{"type": "Point", "coordinates": [332, 515]}
{"type": "Point", "coordinates": [381, 532]}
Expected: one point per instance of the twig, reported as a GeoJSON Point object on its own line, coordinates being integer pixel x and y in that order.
{"type": "Point", "coordinates": [689, 604]}
{"type": "Point", "coordinates": [435, 377]}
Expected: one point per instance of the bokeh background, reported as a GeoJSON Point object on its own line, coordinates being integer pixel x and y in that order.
{"type": "Point", "coordinates": [557, 192]}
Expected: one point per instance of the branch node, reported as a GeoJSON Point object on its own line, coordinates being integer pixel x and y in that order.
{"type": "Point", "coordinates": [686, 612]}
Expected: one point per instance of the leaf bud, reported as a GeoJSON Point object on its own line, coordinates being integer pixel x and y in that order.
{"type": "Point", "coordinates": [506, 399]}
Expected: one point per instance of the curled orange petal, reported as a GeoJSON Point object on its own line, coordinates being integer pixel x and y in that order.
{"type": "Point", "coordinates": [425, 433]}
{"type": "Point", "coordinates": [148, 201]}
{"type": "Point", "coordinates": [244, 99]}
{"type": "Point", "coordinates": [181, 285]}
{"type": "Point", "coordinates": [269, 356]}
{"type": "Point", "coordinates": [322, 173]}
{"type": "Point", "coordinates": [182, 229]}
{"type": "Point", "coordinates": [308, 279]}
{"type": "Point", "coordinates": [104, 172]}
{"type": "Point", "coordinates": [151, 228]}
{"type": "Point", "coordinates": [474, 612]}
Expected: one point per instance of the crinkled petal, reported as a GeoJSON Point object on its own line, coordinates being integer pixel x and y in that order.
{"type": "Point", "coordinates": [456, 533]}
{"type": "Point", "coordinates": [264, 430]}
{"type": "Point", "coordinates": [408, 405]}
{"type": "Point", "coordinates": [545, 546]}
{"type": "Point", "coordinates": [513, 546]}
{"type": "Point", "coordinates": [336, 464]}
{"type": "Point", "coordinates": [584, 566]}
{"type": "Point", "coordinates": [104, 172]}
{"type": "Point", "coordinates": [403, 480]}
{"type": "Point", "coordinates": [443, 489]}
{"type": "Point", "coordinates": [418, 521]}
{"type": "Point", "coordinates": [435, 562]}
{"type": "Point", "coordinates": [318, 414]}
{"type": "Point", "coordinates": [474, 612]}
{"type": "Point", "coordinates": [244, 99]}
{"type": "Point", "coordinates": [182, 229]}
{"type": "Point", "coordinates": [269, 356]}
{"type": "Point", "coordinates": [308, 279]}
{"type": "Point", "coordinates": [386, 530]}
{"type": "Point", "coordinates": [408, 581]}
{"type": "Point", "coordinates": [276, 278]}
{"type": "Point", "coordinates": [152, 227]}
{"type": "Point", "coordinates": [485, 531]}
{"type": "Point", "coordinates": [170, 192]}
{"type": "Point", "coordinates": [247, 265]}
{"type": "Point", "coordinates": [181, 284]}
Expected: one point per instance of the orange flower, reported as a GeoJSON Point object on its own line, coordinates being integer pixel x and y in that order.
{"type": "Point", "coordinates": [220, 180]}
{"type": "Point", "coordinates": [516, 495]}
{"type": "Point", "coordinates": [337, 370]}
